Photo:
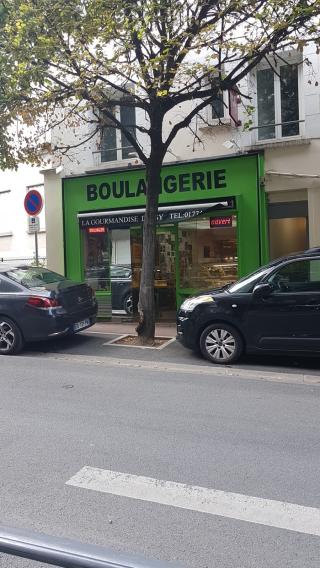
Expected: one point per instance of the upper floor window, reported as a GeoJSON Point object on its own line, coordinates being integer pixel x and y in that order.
{"type": "Point", "coordinates": [6, 219]}
{"type": "Point", "coordinates": [278, 101]}
{"type": "Point", "coordinates": [114, 143]}
{"type": "Point", "coordinates": [218, 107]}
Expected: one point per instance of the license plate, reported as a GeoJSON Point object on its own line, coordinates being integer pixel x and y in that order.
{"type": "Point", "coordinates": [81, 324]}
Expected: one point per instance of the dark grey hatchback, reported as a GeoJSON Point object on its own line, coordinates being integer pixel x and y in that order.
{"type": "Point", "coordinates": [36, 304]}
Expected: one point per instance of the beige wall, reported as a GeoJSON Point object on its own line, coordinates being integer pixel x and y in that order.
{"type": "Point", "coordinates": [303, 160]}
{"type": "Point", "coordinates": [54, 222]}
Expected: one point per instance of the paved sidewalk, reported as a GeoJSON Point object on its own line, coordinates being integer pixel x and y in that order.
{"type": "Point", "coordinates": [94, 345]}
{"type": "Point", "coordinates": [175, 354]}
{"type": "Point", "coordinates": [121, 328]}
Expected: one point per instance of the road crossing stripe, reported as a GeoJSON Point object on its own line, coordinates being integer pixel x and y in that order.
{"type": "Point", "coordinates": [201, 499]}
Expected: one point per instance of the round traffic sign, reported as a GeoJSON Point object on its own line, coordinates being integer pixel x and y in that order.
{"type": "Point", "coordinates": [33, 202]}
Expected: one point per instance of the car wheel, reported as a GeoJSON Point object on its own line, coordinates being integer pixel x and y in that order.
{"type": "Point", "coordinates": [11, 340]}
{"type": "Point", "coordinates": [221, 343]}
{"type": "Point", "coordinates": [128, 304]}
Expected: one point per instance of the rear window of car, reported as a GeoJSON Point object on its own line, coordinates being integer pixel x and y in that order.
{"type": "Point", "coordinates": [8, 287]}
{"type": "Point", "coordinates": [33, 277]}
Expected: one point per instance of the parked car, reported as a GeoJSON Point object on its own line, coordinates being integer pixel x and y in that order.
{"type": "Point", "coordinates": [121, 288]}
{"type": "Point", "coordinates": [275, 309]}
{"type": "Point", "coordinates": [36, 304]}
{"type": "Point", "coordinates": [120, 278]}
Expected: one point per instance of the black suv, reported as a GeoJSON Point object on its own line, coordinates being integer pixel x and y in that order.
{"type": "Point", "coordinates": [275, 309]}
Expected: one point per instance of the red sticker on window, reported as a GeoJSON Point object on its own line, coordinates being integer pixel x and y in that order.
{"type": "Point", "coordinates": [96, 230]}
{"type": "Point", "coordinates": [220, 221]}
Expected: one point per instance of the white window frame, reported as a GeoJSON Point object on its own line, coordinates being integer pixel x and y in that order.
{"type": "Point", "coordinates": [225, 119]}
{"type": "Point", "coordinates": [118, 146]}
{"type": "Point", "coordinates": [286, 59]}
{"type": "Point", "coordinates": [7, 233]}
{"type": "Point", "coordinates": [206, 113]}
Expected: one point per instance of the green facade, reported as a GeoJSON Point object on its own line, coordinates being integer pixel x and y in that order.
{"type": "Point", "coordinates": [183, 183]}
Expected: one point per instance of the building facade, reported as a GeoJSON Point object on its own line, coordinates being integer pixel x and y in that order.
{"type": "Point", "coordinates": [268, 207]}
{"type": "Point", "coordinates": [211, 226]}
{"type": "Point", "coordinates": [17, 242]}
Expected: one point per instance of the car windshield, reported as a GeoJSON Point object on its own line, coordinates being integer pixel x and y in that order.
{"type": "Point", "coordinates": [246, 284]}
{"type": "Point", "coordinates": [33, 277]}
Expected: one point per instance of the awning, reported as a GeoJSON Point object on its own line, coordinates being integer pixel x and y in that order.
{"type": "Point", "coordinates": [124, 218]}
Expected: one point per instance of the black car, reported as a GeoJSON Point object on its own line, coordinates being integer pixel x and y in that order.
{"type": "Point", "coordinates": [119, 277]}
{"type": "Point", "coordinates": [276, 309]}
{"type": "Point", "coordinates": [37, 304]}
{"type": "Point", "coordinates": [121, 288]}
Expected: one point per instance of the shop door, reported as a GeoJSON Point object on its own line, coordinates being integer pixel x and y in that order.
{"type": "Point", "coordinates": [165, 269]}
{"type": "Point", "coordinates": [97, 261]}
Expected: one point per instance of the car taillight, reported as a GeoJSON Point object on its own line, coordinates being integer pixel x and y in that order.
{"type": "Point", "coordinates": [43, 303]}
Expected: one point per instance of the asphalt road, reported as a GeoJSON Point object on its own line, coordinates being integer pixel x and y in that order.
{"type": "Point", "coordinates": [255, 438]}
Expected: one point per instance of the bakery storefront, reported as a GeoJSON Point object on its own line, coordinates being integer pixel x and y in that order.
{"type": "Point", "coordinates": [211, 230]}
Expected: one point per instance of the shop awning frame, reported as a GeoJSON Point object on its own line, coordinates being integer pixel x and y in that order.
{"type": "Point", "coordinates": [113, 212]}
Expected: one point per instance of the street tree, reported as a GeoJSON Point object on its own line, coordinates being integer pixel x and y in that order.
{"type": "Point", "coordinates": [73, 62]}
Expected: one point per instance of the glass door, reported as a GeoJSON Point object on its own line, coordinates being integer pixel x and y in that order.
{"type": "Point", "coordinates": [97, 261]}
{"type": "Point", "coordinates": [165, 269]}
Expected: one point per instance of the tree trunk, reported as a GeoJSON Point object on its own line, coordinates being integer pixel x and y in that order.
{"type": "Point", "coordinates": [146, 304]}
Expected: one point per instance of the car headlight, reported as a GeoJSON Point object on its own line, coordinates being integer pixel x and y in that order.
{"type": "Point", "coordinates": [190, 303]}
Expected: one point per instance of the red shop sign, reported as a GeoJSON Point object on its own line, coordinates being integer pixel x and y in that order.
{"type": "Point", "coordinates": [96, 229]}
{"type": "Point", "coordinates": [221, 221]}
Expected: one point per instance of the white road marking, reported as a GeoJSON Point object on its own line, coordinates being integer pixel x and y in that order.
{"type": "Point", "coordinates": [211, 501]}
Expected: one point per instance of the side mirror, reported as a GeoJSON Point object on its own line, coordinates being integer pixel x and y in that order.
{"type": "Point", "coordinates": [262, 290]}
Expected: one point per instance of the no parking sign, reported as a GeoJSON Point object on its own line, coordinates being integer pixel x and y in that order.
{"type": "Point", "coordinates": [33, 202]}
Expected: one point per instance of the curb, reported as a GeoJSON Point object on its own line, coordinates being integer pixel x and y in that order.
{"type": "Point", "coordinates": [273, 376]}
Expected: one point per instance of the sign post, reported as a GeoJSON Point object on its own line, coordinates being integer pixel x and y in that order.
{"type": "Point", "coordinates": [33, 204]}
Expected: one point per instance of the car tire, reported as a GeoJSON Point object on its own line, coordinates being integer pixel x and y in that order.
{"type": "Point", "coordinates": [11, 339]}
{"type": "Point", "coordinates": [221, 344]}
{"type": "Point", "coordinates": [128, 304]}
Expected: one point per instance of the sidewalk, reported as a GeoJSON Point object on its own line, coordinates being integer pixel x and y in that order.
{"type": "Point", "coordinates": [121, 328]}
{"type": "Point", "coordinates": [278, 367]}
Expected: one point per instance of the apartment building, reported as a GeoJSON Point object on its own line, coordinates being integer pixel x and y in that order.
{"type": "Point", "coordinates": [231, 199]}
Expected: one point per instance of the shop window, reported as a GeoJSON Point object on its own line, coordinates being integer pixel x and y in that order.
{"type": "Point", "coordinates": [208, 254]}
{"type": "Point", "coordinates": [114, 143]}
{"type": "Point", "coordinates": [278, 104]}
{"type": "Point", "coordinates": [121, 247]}
{"type": "Point", "coordinates": [288, 228]}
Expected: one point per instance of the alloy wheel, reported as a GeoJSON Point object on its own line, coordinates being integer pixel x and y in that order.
{"type": "Point", "coordinates": [7, 337]}
{"type": "Point", "coordinates": [128, 304]}
{"type": "Point", "coordinates": [220, 344]}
